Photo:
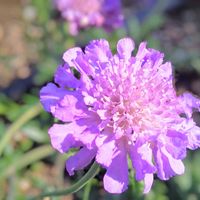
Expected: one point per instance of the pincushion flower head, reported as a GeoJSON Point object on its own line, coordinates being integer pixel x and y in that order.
{"type": "Point", "coordinates": [121, 107]}
{"type": "Point", "coordinates": [81, 13]}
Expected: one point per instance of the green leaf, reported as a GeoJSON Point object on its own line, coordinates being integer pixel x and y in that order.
{"type": "Point", "coordinates": [26, 159]}
{"type": "Point", "coordinates": [33, 131]}
{"type": "Point", "coordinates": [23, 119]}
{"type": "Point", "coordinates": [154, 22]}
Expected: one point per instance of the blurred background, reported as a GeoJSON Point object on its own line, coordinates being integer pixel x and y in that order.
{"type": "Point", "coordinates": [33, 36]}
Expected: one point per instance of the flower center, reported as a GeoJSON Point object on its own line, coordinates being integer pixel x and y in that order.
{"type": "Point", "coordinates": [132, 106]}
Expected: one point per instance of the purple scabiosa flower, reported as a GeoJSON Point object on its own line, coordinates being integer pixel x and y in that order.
{"type": "Point", "coordinates": [81, 13]}
{"type": "Point", "coordinates": [121, 107]}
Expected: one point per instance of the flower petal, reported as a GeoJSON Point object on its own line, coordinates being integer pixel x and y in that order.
{"type": "Point", "coordinates": [116, 178]}
{"type": "Point", "coordinates": [167, 166]}
{"type": "Point", "coordinates": [148, 181]}
{"type": "Point", "coordinates": [176, 144]}
{"type": "Point", "coordinates": [70, 107]}
{"type": "Point", "coordinates": [70, 55]}
{"type": "Point", "coordinates": [142, 51]}
{"type": "Point", "coordinates": [142, 160]}
{"type": "Point", "coordinates": [176, 165]}
{"type": "Point", "coordinates": [50, 95]}
{"type": "Point", "coordinates": [88, 137]}
{"type": "Point", "coordinates": [165, 70]}
{"type": "Point", "coordinates": [63, 104]}
{"type": "Point", "coordinates": [65, 78]}
{"type": "Point", "coordinates": [80, 160]}
{"type": "Point", "coordinates": [106, 152]}
{"type": "Point", "coordinates": [125, 47]}
{"type": "Point", "coordinates": [191, 100]}
{"type": "Point", "coordinates": [188, 102]}
{"type": "Point", "coordinates": [63, 136]}
{"type": "Point", "coordinates": [98, 50]}
{"type": "Point", "coordinates": [194, 138]}
{"type": "Point", "coordinates": [83, 66]}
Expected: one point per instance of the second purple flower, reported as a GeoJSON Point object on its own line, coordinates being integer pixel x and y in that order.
{"type": "Point", "coordinates": [82, 14]}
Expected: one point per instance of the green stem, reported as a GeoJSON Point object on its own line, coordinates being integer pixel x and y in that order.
{"type": "Point", "coordinates": [74, 188]}
{"type": "Point", "coordinates": [28, 158]}
{"type": "Point", "coordinates": [28, 115]}
{"type": "Point", "coordinates": [87, 190]}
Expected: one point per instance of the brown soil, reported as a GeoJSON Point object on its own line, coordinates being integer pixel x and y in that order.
{"type": "Point", "coordinates": [13, 49]}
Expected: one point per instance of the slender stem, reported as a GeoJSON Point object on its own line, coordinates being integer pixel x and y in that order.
{"type": "Point", "coordinates": [87, 190]}
{"type": "Point", "coordinates": [74, 188]}
{"type": "Point", "coordinates": [28, 158]}
{"type": "Point", "coordinates": [28, 115]}
{"type": "Point", "coordinates": [11, 193]}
